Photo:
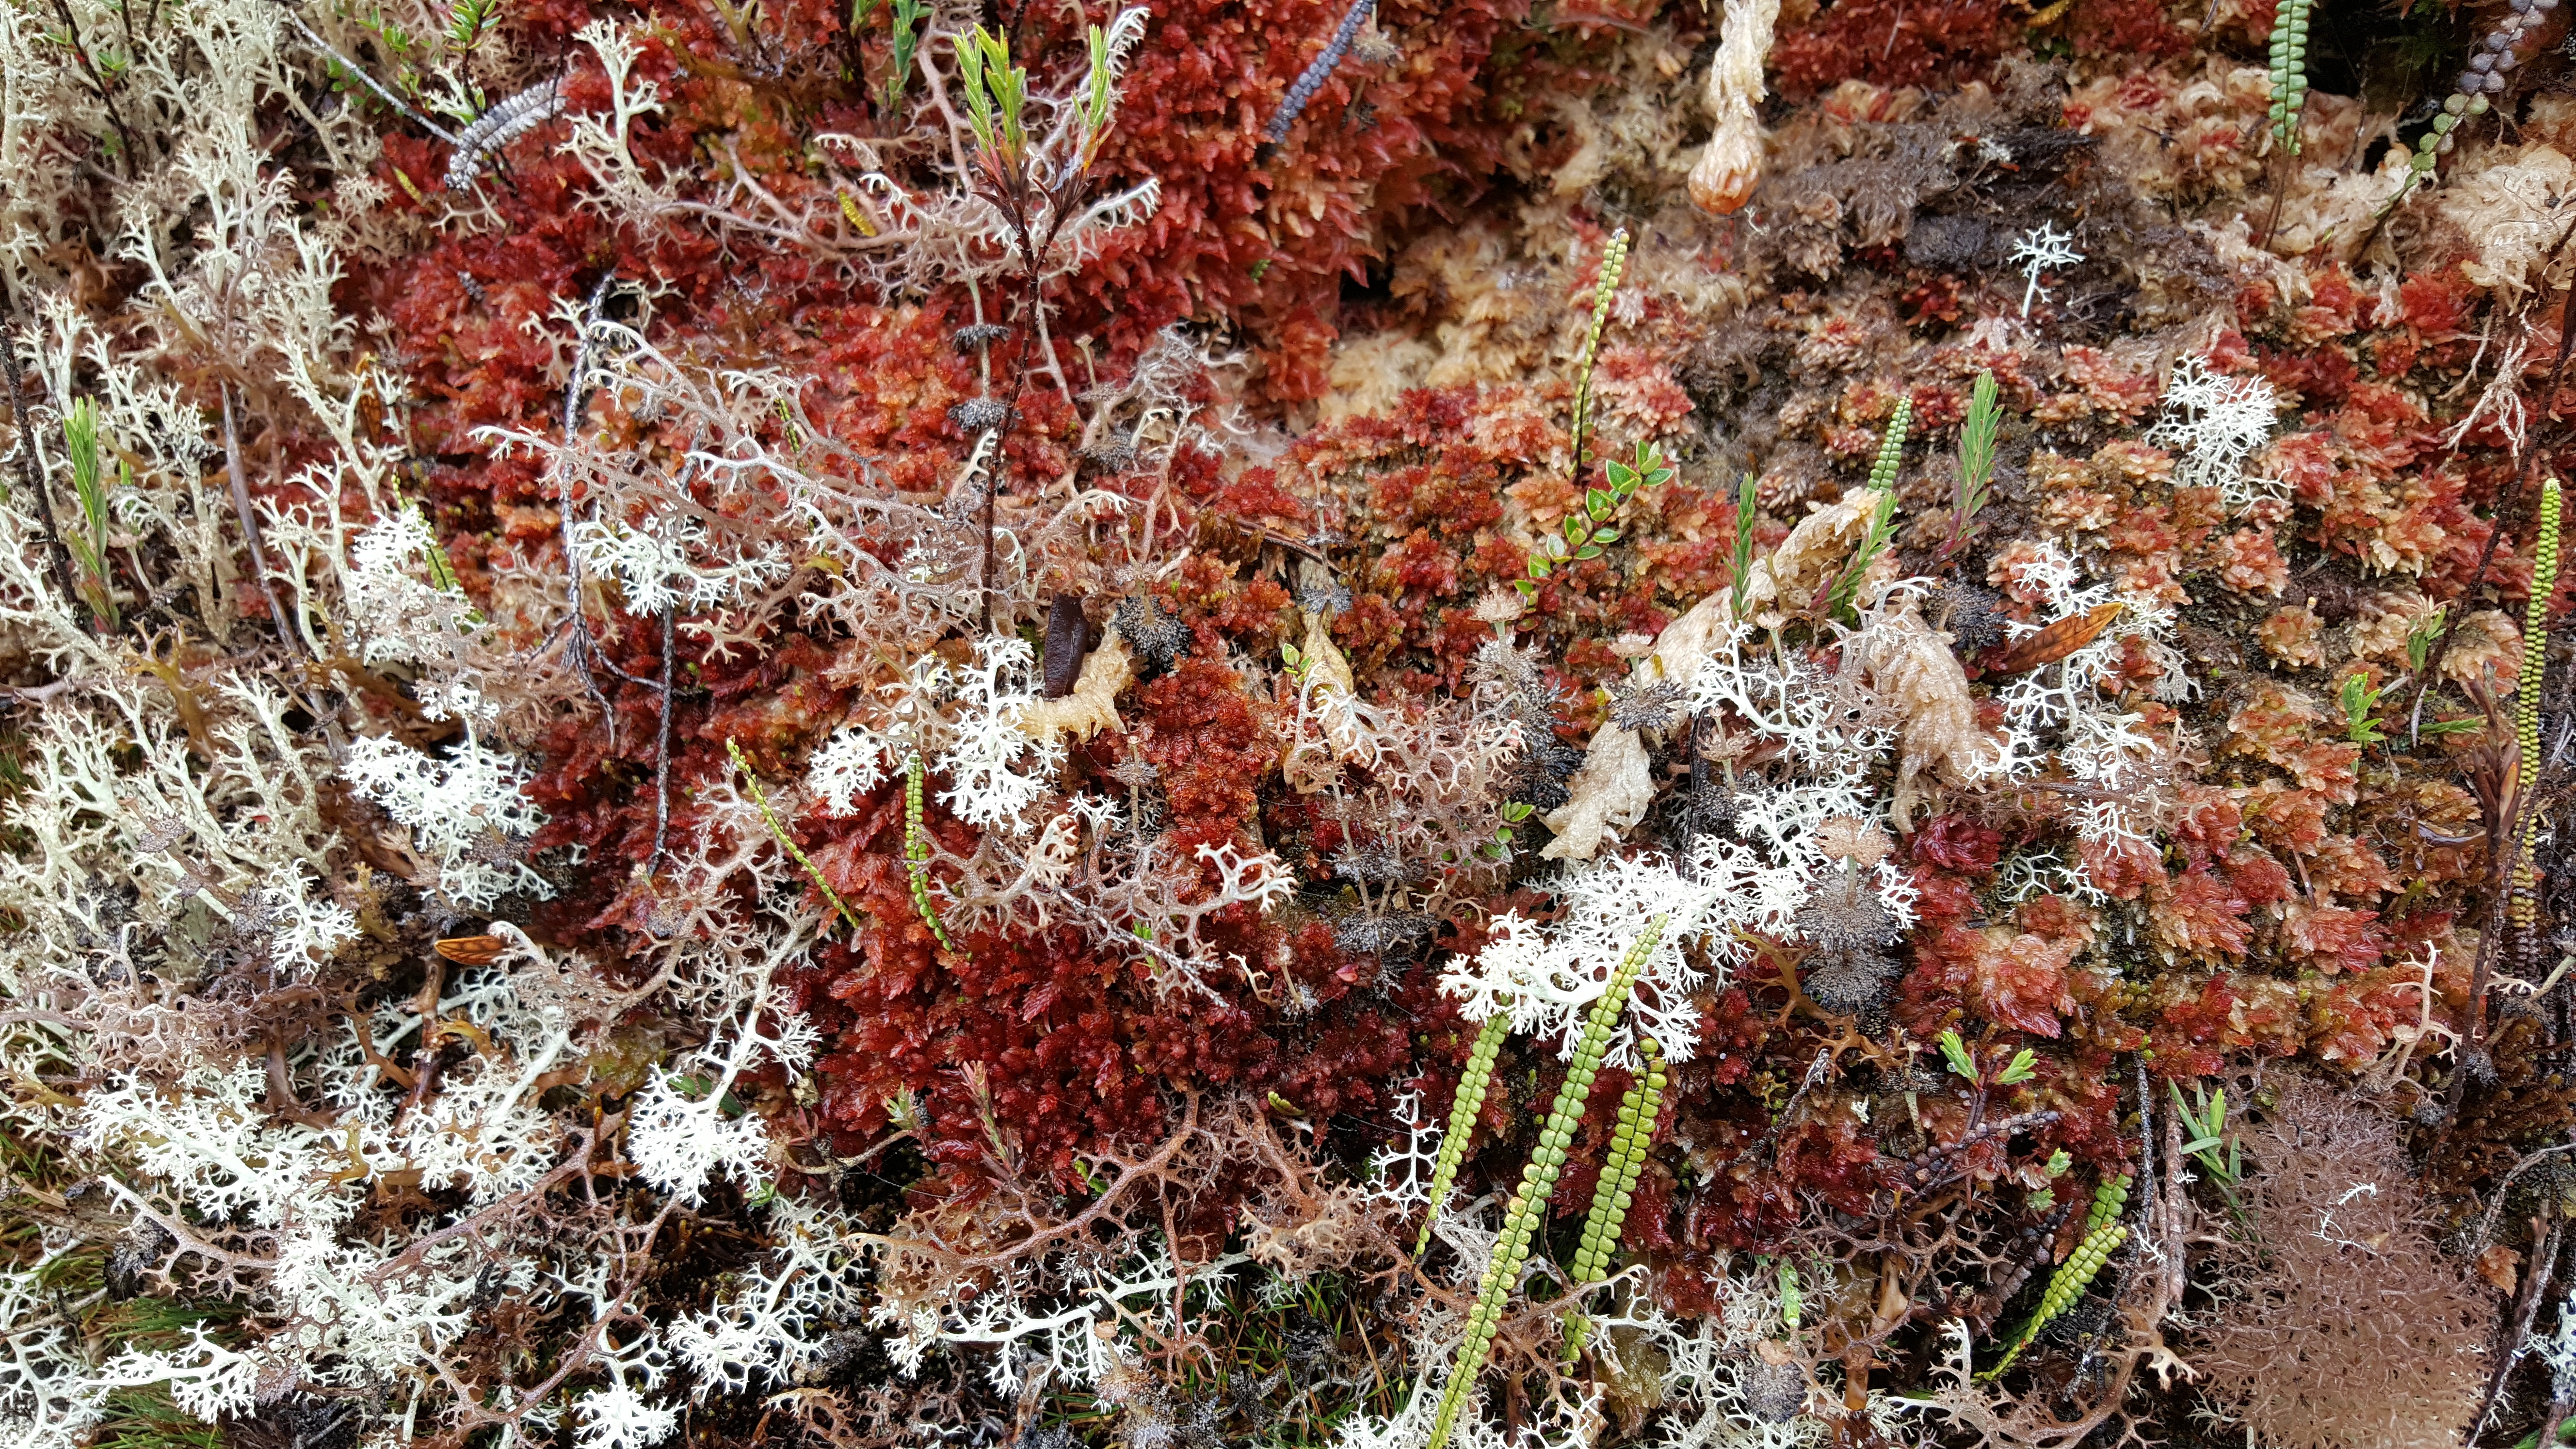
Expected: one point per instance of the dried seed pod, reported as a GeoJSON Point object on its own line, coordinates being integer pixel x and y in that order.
{"type": "Point", "coordinates": [2057, 640]}
{"type": "Point", "coordinates": [1066, 642]}
{"type": "Point", "coordinates": [470, 950]}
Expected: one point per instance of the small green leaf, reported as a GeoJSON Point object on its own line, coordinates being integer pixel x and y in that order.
{"type": "Point", "coordinates": [1957, 1053]}
{"type": "Point", "coordinates": [2200, 1144]}
{"type": "Point", "coordinates": [1539, 568]}
{"type": "Point", "coordinates": [1597, 503]}
{"type": "Point", "coordinates": [1528, 590]}
{"type": "Point", "coordinates": [1575, 525]}
{"type": "Point", "coordinates": [1589, 550]}
{"type": "Point", "coordinates": [1503, 835]}
{"type": "Point", "coordinates": [1292, 654]}
{"type": "Point", "coordinates": [1606, 535]}
{"type": "Point", "coordinates": [2020, 1070]}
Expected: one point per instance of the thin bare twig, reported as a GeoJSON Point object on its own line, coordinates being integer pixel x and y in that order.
{"type": "Point", "coordinates": [29, 476]}
{"type": "Point", "coordinates": [359, 71]}
{"type": "Point", "coordinates": [662, 745]}
{"type": "Point", "coordinates": [242, 508]}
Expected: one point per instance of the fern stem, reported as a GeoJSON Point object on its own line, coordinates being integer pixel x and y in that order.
{"type": "Point", "coordinates": [916, 852]}
{"type": "Point", "coordinates": [2289, 71]}
{"type": "Point", "coordinates": [779, 833]}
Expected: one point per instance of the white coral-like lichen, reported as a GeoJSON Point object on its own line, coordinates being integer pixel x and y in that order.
{"type": "Point", "coordinates": [2215, 425]}
{"type": "Point", "coordinates": [456, 807]}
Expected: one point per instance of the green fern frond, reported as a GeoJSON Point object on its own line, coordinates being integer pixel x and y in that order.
{"type": "Point", "coordinates": [1891, 446]}
{"type": "Point", "coordinates": [1528, 1207]}
{"type": "Point", "coordinates": [2525, 892]}
{"type": "Point", "coordinates": [778, 832]}
{"type": "Point", "coordinates": [1470, 1100]}
{"type": "Point", "coordinates": [1617, 1188]}
{"type": "Point", "coordinates": [916, 852]}
{"type": "Point", "coordinates": [1614, 260]}
{"type": "Point", "coordinates": [2103, 1236]}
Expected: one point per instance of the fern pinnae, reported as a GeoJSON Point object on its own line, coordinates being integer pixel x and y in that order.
{"type": "Point", "coordinates": [916, 852]}
{"type": "Point", "coordinates": [2289, 71]}
{"type": "Point", "coordinates": [2103, 1235]}
{"type": "Point", "coordinates": [786, 842]}
{"type": "Point", "coordinates": [513, 117]}
{"type": "Point", "coordinates": [1528, 1207]}
{"type": "Point", "coordinates": [1472, 1085]}
{"type": "Point", "coordinates": [1617, 1188]}
{"type": "Point", "coordinates": [2523, 892]}
{"type": "Point", "coordinates": [1614, 260]}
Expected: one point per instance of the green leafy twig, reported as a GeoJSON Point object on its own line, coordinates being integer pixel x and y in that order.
{"type": "Point", "coordinates": [2206, 1133]}
{"type": "Point", "coordinates": [1588, 529]}
{"type": "Point", "coordinates": [467, 21]}
{"type": "Point", "coordinates": [908, 15]}
{"type": "Point", "coordinates": [2358, 698]}
{"type": "Point", "coordinates": [1514, 812]}
{"type": "Point", "coordinates": [2022, 1067]}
